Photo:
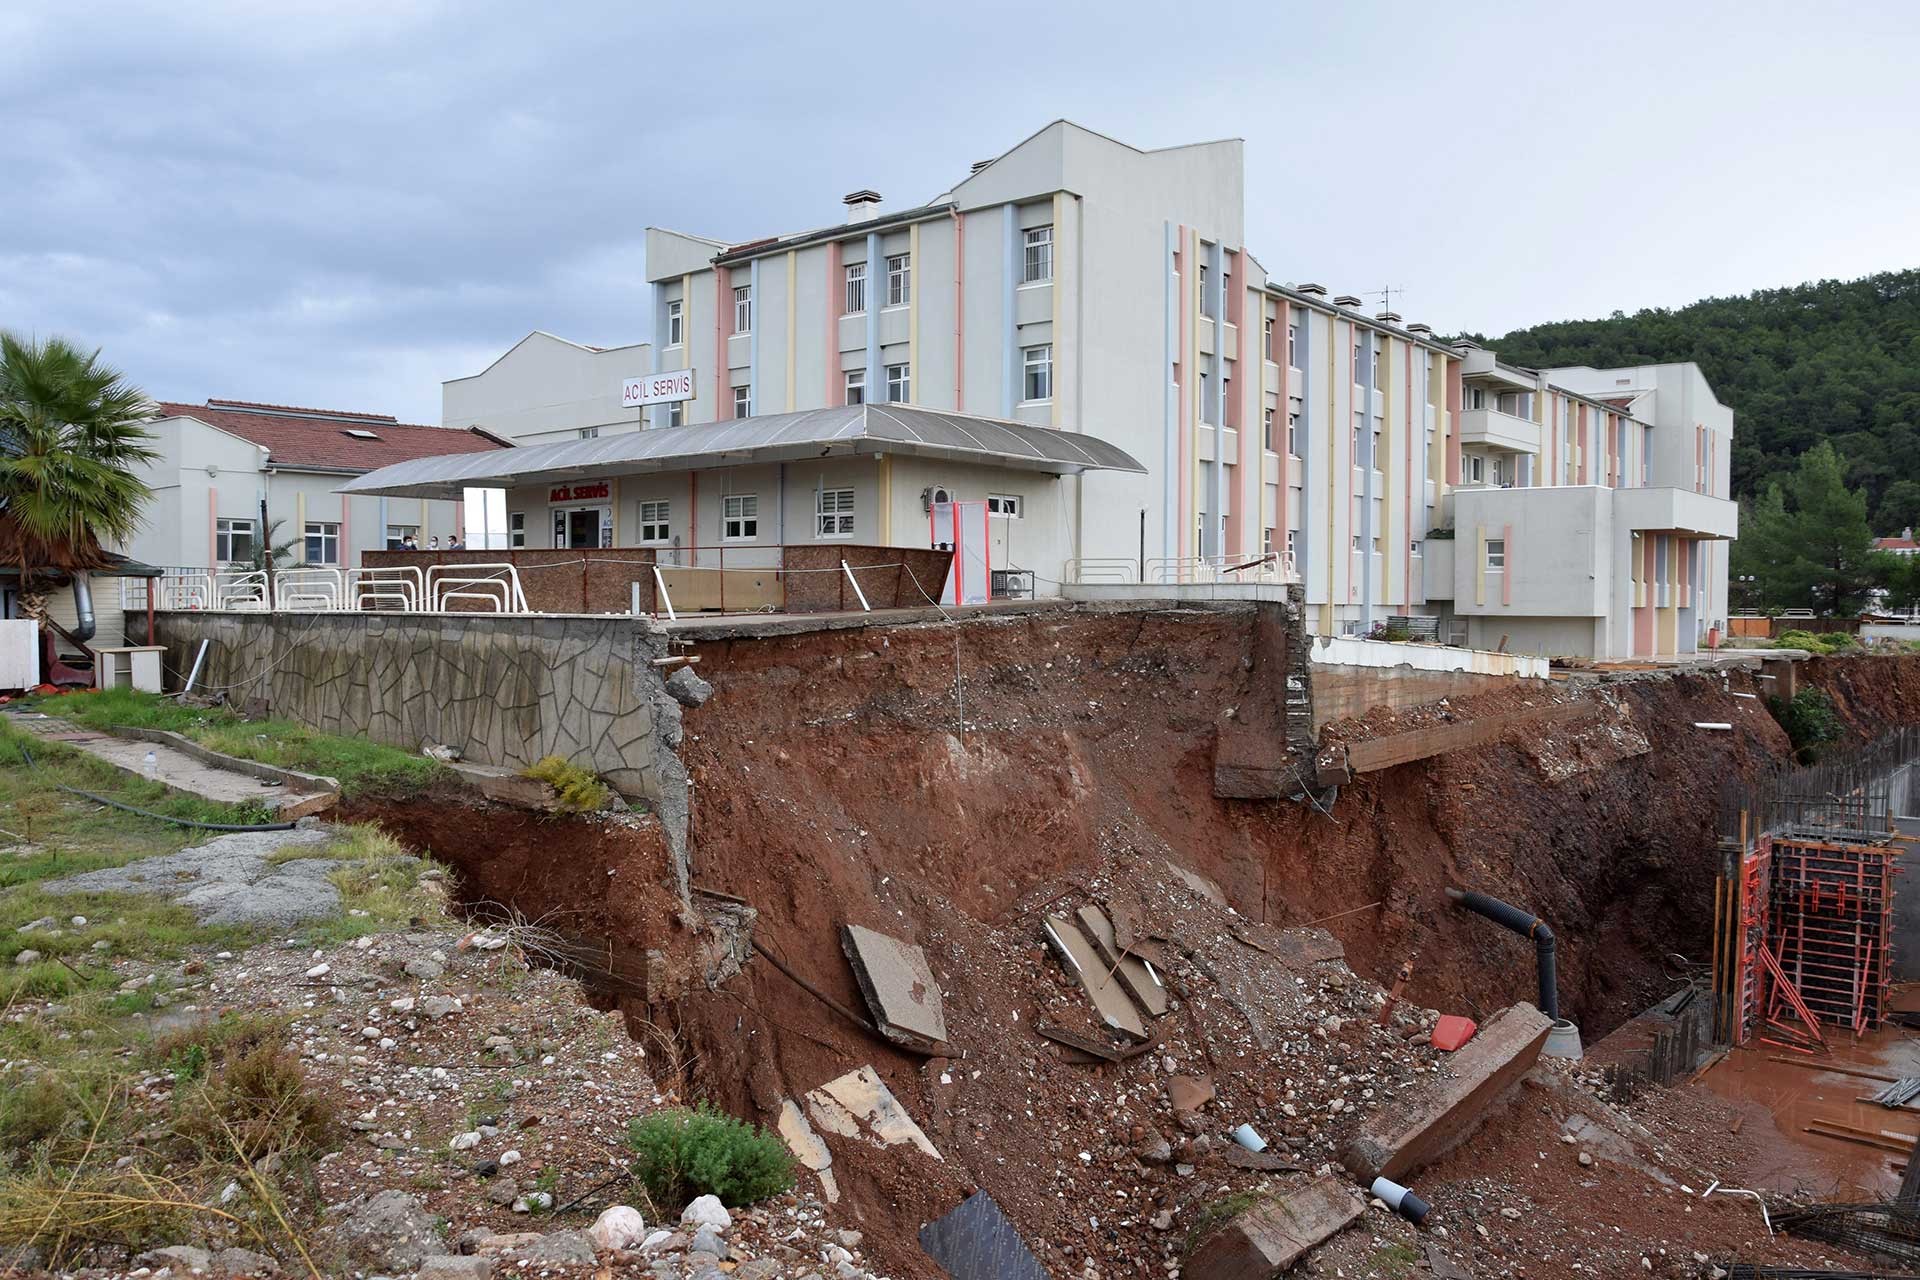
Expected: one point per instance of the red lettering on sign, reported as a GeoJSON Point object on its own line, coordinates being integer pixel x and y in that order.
{"type": "Point", "coordinates": [578, 492]}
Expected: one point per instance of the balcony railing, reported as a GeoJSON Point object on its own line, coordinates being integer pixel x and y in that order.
{"type": "Point", "coordinates": [1269, 567]}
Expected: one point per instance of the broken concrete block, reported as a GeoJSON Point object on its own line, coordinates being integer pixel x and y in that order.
{"type": "Point", "coordinates": [976, 1242]}
{"type": "Point", "coordinates": [1110, 999]}
{"type": "Point", "coordinates": [1138, 976]}
{"type": "Point", "coordinates": [1276, 1233]}
{"type": "Point", "coordinates": [808, 1147]}
{"type": "Point", "coordinates": [687, 688]}
{"type": "Point", "coordinates": [898, 986]}
{"type": "Point", "coordinates": [859, 1105]}
{"type": "Point", "coordinates": [1200, 884]}
{"type": "Point", "coordinates": [1189, 1093]}
{"type": "Point", "coordinates": [1426, 1121]}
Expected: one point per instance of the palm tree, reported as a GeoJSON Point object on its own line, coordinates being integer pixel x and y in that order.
{"type": "Point", "coordinates": [71, 439]}
{"type": "Point", "coordinates": [268, 554]}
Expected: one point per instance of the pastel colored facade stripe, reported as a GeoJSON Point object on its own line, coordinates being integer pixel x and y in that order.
{"type": "Point", "coordinates": [836, 299]}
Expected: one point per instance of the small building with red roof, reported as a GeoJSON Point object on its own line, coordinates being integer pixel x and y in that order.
{"type": "Point", "coordinates": [230, 469]}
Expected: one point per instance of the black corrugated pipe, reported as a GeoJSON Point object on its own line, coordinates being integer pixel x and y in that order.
{"type": "Point", "coordinates": [1511, 917]}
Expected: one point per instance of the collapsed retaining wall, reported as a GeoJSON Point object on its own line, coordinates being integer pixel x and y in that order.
{"type": "Point", "coordinates": [500, 690]}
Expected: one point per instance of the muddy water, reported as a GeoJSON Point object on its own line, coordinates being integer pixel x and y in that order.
{"type": "Point", "coordinates": [1780, 1099]}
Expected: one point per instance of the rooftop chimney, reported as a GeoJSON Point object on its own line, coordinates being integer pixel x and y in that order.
{"type": "Point", "coordinates": [1316, 290]}
{"type": "Point", "coordinates": [1465, 345]}
{"type": "Point", "coordinates": [1387, 317]}
{"type": "Point", "coordinates": [1424, 330]}
{"type": "Point", "coordinates": [861, 205]}
{"type": "Point", "coordinates": [1346, 300]}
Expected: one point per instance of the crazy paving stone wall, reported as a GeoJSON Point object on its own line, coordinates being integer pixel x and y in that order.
{"type": "Point", "coordinates": [501, 690]}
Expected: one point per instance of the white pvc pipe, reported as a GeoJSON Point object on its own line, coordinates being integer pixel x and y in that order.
{"type": "Point", "coordinates": [856, 587]}
{"type": "Point", "coordinates": [660, 585]}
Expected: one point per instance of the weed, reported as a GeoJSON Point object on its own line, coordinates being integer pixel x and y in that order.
{"type": "Point", "coordinates": [258, 1105]}
{"type": "Point", "coordinates": [1810, 720]}
{"type": "Point", "coordinates": [1216, 1214]}
{"type": "Point", "coordinates": [579, 791]}
{"type": "Point", "coordinates": [35, 1112]}
{"type": "Point", "coordinates": [1393, 1261]}
{"type": "Point", "coordinates": [190, 1051]}
{"type": "Point", "coordinates": [683, 1154]}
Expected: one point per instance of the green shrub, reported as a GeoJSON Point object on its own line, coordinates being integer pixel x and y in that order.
{"type": "Point", "coordinates": [1818, 643]}
{"type": "Point", "coordinates": [683, 1154]}
{"type": "Point", "coordinates": [578, 789]}
{"type": "Point", "coordinates": [1810, 719]}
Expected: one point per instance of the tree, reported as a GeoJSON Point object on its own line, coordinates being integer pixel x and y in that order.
{"type": "Point", "coordinates": [268, 554]}
{"type": "Point", "coordinates": [1899, 507]}
{"type": "Point", "coordinates": [1806, 541]}
{"type": "Point", "coordinates": [71, 440]}
{"type": "Point", "coordinates": [1899, 578]}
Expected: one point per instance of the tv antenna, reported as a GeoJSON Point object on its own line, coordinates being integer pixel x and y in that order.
{"type": "Point", "coordinates": [1386, 295]}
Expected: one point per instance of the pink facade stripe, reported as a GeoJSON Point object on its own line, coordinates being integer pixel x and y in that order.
{"type": "Point", "coordinates": [1506, 579]}
{"type": "Point", "coordinates": [835, 284]}
{"type": "Point", "coordinates": [1236, 316]}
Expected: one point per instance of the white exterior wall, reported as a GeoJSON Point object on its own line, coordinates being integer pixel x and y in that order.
{"type": "Point", "coordinates": [546, 389]}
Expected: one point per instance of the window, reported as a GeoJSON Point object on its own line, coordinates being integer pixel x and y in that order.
{"type": "Point", "coordinates": [232, 540]}
{"type": "Point", "coordinates": [1375, 367]}
{"type": "Point", "coordinates": [1038, 363]}
{"type": "Point", "coordinates": [1373, 459]}
{"type": "Point", "coordinates": [323, 542]}
{"type": "Point", "coordinates": [833, 513]}
{"type": "Point", "coordinates": [1292, 534]}
{"type": "Point", "coordinates": [1266, 337]}
{"type": "Point", "coordinates": [1413, 548]}
{"type": "Point", "coordinates": [589, 433]}
{"type": "Point", "coordinates": [1039, 255]}
{"type": "Point", "coordinates": [676, 413]}
{"type": "Point", "coordinates": [899, 279]}
{"type": "Point", "coordinates": [397, 535]}
{"type": "Point", "coordinates": [856, 386]}
{"type": "Point", "coordinates": [1476, 397]}
{"type": "Point", "coordinates": [743, 402]}
{"type": "Point", "coordinates": [900, 383]}
{"type": "Point", "coordinates": [856, 288]}
{"type": "Point", "coordinates": [1293, 346]}
{"type": "Point", "coordinates": [517, 530]}
{"type": "Point", "coordinates": [743, 308]}
{"type": "Point", "coordinates": [676, 323]}
{"type": "Point", "coordinates": [740, 517]}
{"type": "Point", "coordinates": [1206, 299]}
{"type": "Point", "coordinates": [1004, 504]}
{"type": "Point", "coordinates": [654, 523]}
{"type": "Point", "coordinates": [1206, 396]}
{"type": "Point", "coordinates": [1476, 468]}
{"type": "Point", "coordinates": [1496, 553]}
{"type": "Point", "coordinates": [1293, 434]}
{"type": "Point", "coordinates": [1356, 542]}
{"type": "Point", "coordinates": [1358, 362]}
{"type": "Point", "coordinates": [1266, 542]}
{"type": "Point", "coordinates": [1266, 430]}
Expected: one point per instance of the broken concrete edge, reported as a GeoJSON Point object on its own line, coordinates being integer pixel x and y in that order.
{"type": "Point", "coordinates": [1424, 1128]}
{"type": "Point", "coordinates": [290, 778]}
{"type": "Point", "coordinates": [1276, 1232]}
{"type": "Point", "coordinates": [889, 992]}
{"type": "Point", "coordinates": [1112, 1004]}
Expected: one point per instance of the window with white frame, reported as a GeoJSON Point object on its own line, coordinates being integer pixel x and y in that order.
{"type": "Point", "coordinates": [743, 308]}
{"type": "Point", "coordinates": [1266, 429]}
{"type": "Point", "coordinates": [589, 433]}
{"type": "Point", "coordinates": [743, 402]}
{"type": "Point", "coordinates": [899, 279]}
{"type": "Point", "coordinates": [676, 323]}
{"type": "Point", "coordinates": [740, 517]}
{"type": "Point", "coordinates": [856, 288]}
{"type": "Point", "coordinates": [232, 540]}
{"type": "Point", "coordinates": [1038, 266]}
{"type": "Point", "coordinates": [1496, 554]}
{"type": "Point", "coordinates": [517, 529]}
{"type": "Point", "coordinates": [323, 542]}
{"type": "Point", "coordinates": [1476, 468]}
{"type": "Point", "coordinates": [1292, 534]}
{"type": "Point", "coordinates": [1266, 337]}
{"type": "Point", "coordinates": [899, 383]}
{"type": "Point", "coordinates": [1293, 433]}
{"type": "Point", "coordinates": [833, 513]}
{"type": "Point", "coordinates": [1206, 396]}
{"type": "Point", "coordinates": [1206, 298]}
{"type": "Point", "coordinates": [676, 413]}
{"type": "Point", "coordinates": [1413, 547]}
{"type": "Point", "coordinates": [1266, 542]}
{"type": "Point", "coordinates": [856, 383]}
{"type": "Point", "coordinates": [1293, 346]}
{"type": "Point", "coordinates": [1476, 397]}
{"type": "Point", "coordinates": [1037, 362]}
{"type": "Point", "coordinates": [397, 535]}
{"type": "Point", "coordinates": [1005, 504]}
{"type": "Point", "coordinates": [655, 521]}
{"type": "Point", "coordinates": [1356, 542]}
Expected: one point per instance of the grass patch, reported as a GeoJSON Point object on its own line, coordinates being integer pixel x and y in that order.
{"type": "Point", "coordinates": [362, 767]}
{"type": "Point", "coordinates": [684, 1154]}
{"type": "Point", "coordinates": [578, 789]}
{"type": "Point", "coordinates": [1394, 1261]}
{"type": "Point", "coordinates": [382, 885]}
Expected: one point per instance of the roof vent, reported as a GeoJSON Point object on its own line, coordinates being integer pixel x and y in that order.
{"type": "Point", "coordinates": [978, 165]}
{"type": "Point", "coordinates": [358, 434]}
{"type": "Point", "coordinates": [1317, 290]}
{"type": "Point", "coordinates": [1424, 330]}
{"type": "Point", "coordinates": [1346, 300]}
{"type": "Point", "coordinates": [1465, 344]}
{"type": "Point", "coordinates": [1387, 317]}
{"type": "Point", "coordinates": [861, 205]}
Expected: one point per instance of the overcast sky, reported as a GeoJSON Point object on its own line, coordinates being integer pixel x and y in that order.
{"type": "Point", "coordinates": [342, 202]}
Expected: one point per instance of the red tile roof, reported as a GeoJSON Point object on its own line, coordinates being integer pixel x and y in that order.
{"type": "Point", "coordinates": [1895, 544]}
{"type": "Point", "coordinates": [297, 437]}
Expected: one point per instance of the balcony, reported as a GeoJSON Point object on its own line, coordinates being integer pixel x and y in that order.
{"type": "Point", "coordinates": [1496, 430]}
{"type": "Point", "coordinates": [1669, 510]}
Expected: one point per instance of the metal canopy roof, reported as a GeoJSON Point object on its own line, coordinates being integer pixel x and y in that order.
{"type": "Point", "coordinates": [841, 431]}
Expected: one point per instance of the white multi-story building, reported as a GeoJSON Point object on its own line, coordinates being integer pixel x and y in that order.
{"type": "Point", "coordinates": [1076, 284]}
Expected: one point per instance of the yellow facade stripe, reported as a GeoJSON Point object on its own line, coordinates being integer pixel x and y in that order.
{"type": "Point", "coordinates": [299, 524]}
{"type": "Point", "coordinates": [792, 290]}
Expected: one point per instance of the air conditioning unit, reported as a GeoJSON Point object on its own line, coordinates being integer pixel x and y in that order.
{"type": "Point", "coordinates": [933, 495]}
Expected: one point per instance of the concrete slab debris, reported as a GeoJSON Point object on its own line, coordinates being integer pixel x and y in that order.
{"type": "Point", "coordinates": [859, 1105]}
{"type": "Point", "coordinates": [1200, 885]}
{"type": "Point", "coordinates": [976, 1242]}
{"type": "Point", "coordinates": [229, 880]}
{"type": "Point", "coordinates": [808, 1147]}
{"type": "Point", "coordinates": [198, 771]}
{"type": "Point", "coordinates": [1136, 974]}
{"type": "Point", "coordinates": [1426, 1122]}
{"type": "Point", "coordinates": [1110, 999]}
{"type": "Point", "coordinates": [1189, 1093]}
{"type": "Point", "coordinates": [898, 986]}
{"type": "Point", "coordinates": [1276, 1233]}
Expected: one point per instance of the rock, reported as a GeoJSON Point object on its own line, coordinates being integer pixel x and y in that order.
{"type": "Point", "coordinates": [434, 1008]}
{"type": "Point", "coordinates": [1510, 1213]}
{"type": "Point", "coordinates": [1586, 1161]}
{"type": "Point", "coordinates": [758, 1269]}
{"type": "Point", "coordinates": [706, 1240]}
{"type": "Point", "coordinates": [503, 1191]}
{"type": "Point", "coordinates": [180, 1257]}
{"type": "Point", "coordinates": [563, 1248]}
{"type": "Point", "coordinates": [465, 1141]}
{"type": "Point", "coordinates": [32, 926]}
{"type": "Point", "coordinates": [236, 1262]}
{"type": "Point", "coordinates": [28, 956]}
{"type": "Point", "coordinates": [654, 1240]}
{"type": "Point", "coordinates": [706, 1211]}
{"type": "Point", "coordinates": [509, 1157]}
{"type": "Point", "coordinates": [320, 971]}
{"type": "Point", "coordinates": [450, 1267]}
{"type": "Point", "coordinates": [850, 1239]}
{"type": "Point", "coordinates": [392, 1231]}
{"type": "Point", "coordinates": [425, 968]}
{"type": "Point", "coordinates": [1154, 1151]}
{"type": "Point", "coordinates": [618, 1227]}
{"type": "Point", "coordinates": [687, 688]}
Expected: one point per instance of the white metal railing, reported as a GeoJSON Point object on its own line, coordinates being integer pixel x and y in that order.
{"type": "Point", "coordinates": [494, 586]}
{"type": "Point", "coordinates": [398, 588]}
{"type": "Point", "coordinates": [308, 587]}
{"type": "Point", "coordinates": [241, 589]}
{"type": "Point", "coordinates": [1103, 569]}
{"type": "Point", "coordinates": [1270, 566]}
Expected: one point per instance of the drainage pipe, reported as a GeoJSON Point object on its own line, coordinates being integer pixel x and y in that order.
{"type": "Point", "coordinates": [84, 623]}
{"type": "Point", "coordinates": [1511, 917]}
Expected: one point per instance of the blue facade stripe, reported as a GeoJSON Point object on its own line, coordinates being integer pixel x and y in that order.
{"type": "Point", "coordinates": [876, 281]}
